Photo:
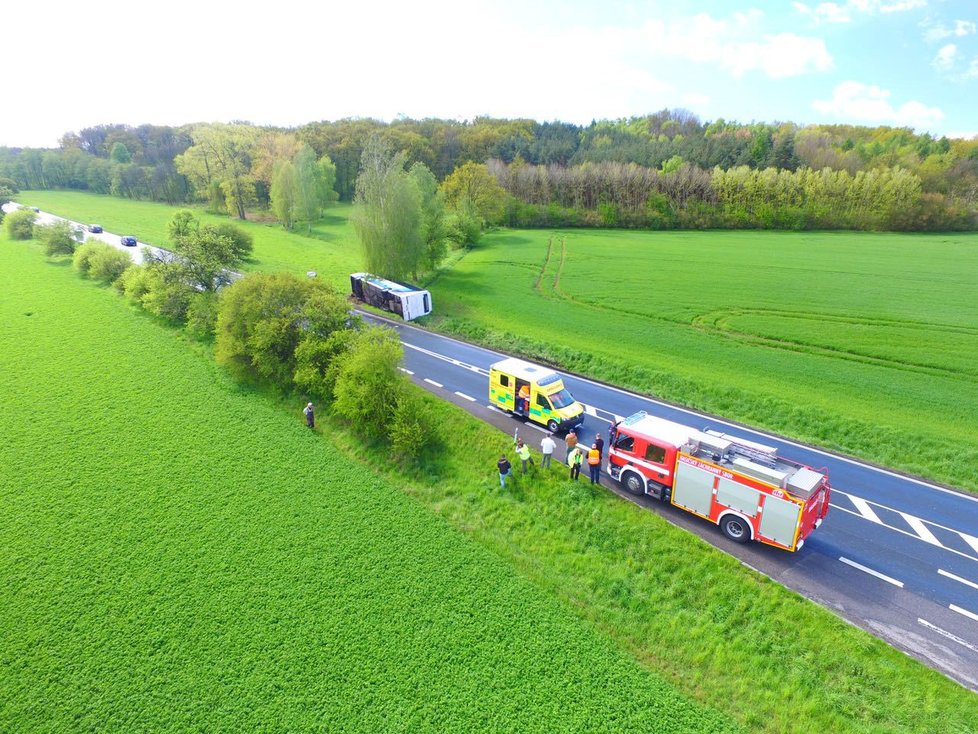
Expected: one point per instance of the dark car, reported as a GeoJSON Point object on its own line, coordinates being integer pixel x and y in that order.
{"type": "Point", "coordinates": [35, 210]}
{"type": "Point", "coordinates": [95, 228]}
{"type": "Point", "coordinates": [129, 241]}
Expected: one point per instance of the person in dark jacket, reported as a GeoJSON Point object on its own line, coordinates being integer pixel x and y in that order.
{"type": "Point", "coordinates": [505, 470]}
{"type": "Point", "coordinates": [599, 445]}
{"type": "Point", "coordinates": [310, 416]}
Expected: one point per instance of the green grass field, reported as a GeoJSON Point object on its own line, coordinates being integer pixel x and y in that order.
{"type": "Point", "coordinates": [331, 250]}
{"type": "Point", "coordinates": [181, 554]}
{"type": "Point", "coordinates": [867, 343]}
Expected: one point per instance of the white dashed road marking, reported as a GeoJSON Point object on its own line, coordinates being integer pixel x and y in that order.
{"type": "Point", "coordinates": [463, 395]}
{"type": "Point", "coordinates": [950, 575]}
{"type": "Point", "coordinates": [432, 382]}
{"type": "Point", "coordinates": [406, 371]}
{"type": "Point", "coordinates": [965, 612]}
{"type": "Point", "coordinates": [871, 572]}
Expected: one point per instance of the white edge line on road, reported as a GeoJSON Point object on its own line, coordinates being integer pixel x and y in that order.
{"type": "Point", "coordinates": [406, 371]}
{"type": "Point", "coordinates": [871, 572]}
{"type": "Point", "coordinates": [463, 395]}
{"type": "Point", "coordinates": [436, 384]}
{"type": "Point", "coordinates": [947, 634]}
{"type": "Point", "coordinates": [903, 532]}
{"type": "Point", "coordinates": [950, 575]}
{"type": "Point", "coordinates": [965, 612]}
{"type": "Point", "coordinates": [687, 411]}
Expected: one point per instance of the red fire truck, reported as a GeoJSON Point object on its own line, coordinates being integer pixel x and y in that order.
{"type": "Point", "coordinates": [742, 486]}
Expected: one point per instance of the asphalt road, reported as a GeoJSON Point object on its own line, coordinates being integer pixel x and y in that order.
{"type": "Point", "coordinates": [896, 556]}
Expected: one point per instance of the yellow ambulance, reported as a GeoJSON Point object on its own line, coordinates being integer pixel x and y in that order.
{"type": "Point", "coordinates": [535, 393]}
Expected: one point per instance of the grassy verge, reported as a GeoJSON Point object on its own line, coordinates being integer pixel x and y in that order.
{"type": "Point", "coordinates": [734, 639]}
{"type": "Point", "coordinates": [169, 556]}
{"type": "Point", "coordinates": [179, 554]}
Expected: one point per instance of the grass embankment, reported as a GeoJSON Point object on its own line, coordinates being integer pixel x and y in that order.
{"type": "Point", "coordinates": [184, 551]}
{"type": "Point", "coordinates": [179, 554]}
{"type": "Point", "coordinates": [864, 343]}
{"type": "Point", "coordinates": [331, 250]}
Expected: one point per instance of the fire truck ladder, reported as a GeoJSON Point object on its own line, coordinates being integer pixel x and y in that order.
{"type": "Point", "coordinates": [764, 455]}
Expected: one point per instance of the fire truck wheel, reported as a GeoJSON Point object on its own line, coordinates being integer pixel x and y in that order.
{"type": "Point", "coordinates": [735, 528]}
{"type": "Point", "coordinates": [633, 483]}
{"type": "Point", "coordinates": [553, 426]}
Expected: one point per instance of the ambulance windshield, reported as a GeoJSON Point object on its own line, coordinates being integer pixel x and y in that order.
{"type": "Point", "coordinates": [561, 398]}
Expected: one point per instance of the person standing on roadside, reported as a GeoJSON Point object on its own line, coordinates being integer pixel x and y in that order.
{"type": "Point", "coordinates": [505, 470]}
{"type": "Point", "coordinates": [599, 445]}
{"type": "Point", "coordinates": [594, 462]}
{"type": "Point", "coordinates": [523, 451]}
{"type": "Point", "coordinates": [547, 446]}
{"type": "Point", "coordinates": [575, 459]}
{"type": "Point", "coordinates": [571, 442]}
{"type": "Point", "coordinates": [310, 415]}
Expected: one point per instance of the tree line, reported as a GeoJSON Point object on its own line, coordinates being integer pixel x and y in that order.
{"type": "Point", "coordinates": [670, 154]}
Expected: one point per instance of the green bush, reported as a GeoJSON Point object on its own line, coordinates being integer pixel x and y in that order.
{"type": "Point", "coordinates": [101, 262]}
{"type": "Point", "coordinates": [368, 382]}
{"type": "Point", "coordinates": [157, 288]}
{"type": "Point", "coordinates": [316, 362]}
{"type": "Point", "coordinates": [413, 429]}
{"type": "Point", "coordinates": [20, 224]}
{"type": "Point", "coordinates": [202, 315]}
{"type": "Point", "coordinates": [58, 237]}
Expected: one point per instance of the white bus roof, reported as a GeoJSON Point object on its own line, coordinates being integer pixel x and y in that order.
{"type": "Point", "coordinates": [390, 285]}
{"type": "Point", "coordinates": [523, 370]}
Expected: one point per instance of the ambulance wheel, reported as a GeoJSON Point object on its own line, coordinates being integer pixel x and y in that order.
{"type": "Point", "coordinates": [735, 528]}
{"type": "Point", "coordinates": [633, 483]}
{"type": "Point", "coordinates": [553, 426]}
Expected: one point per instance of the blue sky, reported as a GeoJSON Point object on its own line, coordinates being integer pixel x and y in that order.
{"type": "Point", "coordinates": [907, 63]}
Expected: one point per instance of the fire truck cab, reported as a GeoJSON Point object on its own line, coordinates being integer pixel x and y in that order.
{"type": "Point", "coordinates": [742, 486]}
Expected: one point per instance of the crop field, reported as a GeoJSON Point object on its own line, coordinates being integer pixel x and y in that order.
{"type": "Point", "coordinates": [331, 249]}
{"type": "Point", "coordinates": [867, 343]}
{"type": "Point", "coordinates": [180, 553]}
{"type": "Point", "coordinates": [863, 343]}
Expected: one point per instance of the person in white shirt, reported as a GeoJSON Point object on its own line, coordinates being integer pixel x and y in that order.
{"type": "Point", "coordinates": [547, 446]}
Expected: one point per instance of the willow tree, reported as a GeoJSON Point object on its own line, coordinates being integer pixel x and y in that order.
{"type": "Point", "coordinates": [387, 212]}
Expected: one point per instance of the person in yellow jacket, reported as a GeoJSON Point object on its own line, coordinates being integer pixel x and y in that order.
{"type": "Point", "coordinates": [575, 459]}
{"type": "Point", "coordinates": [523, 451]}
{"type": "Point", "coordinates": [594, 462]}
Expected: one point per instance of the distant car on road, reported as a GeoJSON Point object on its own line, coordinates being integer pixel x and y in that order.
{"type": "Point", "coordinates": [94, 228]}
{"type": "Point", "coordinates": [129, 241]}
{"type": "Point", "coordinates": [35, 210]}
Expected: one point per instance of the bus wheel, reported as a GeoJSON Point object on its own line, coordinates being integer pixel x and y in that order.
{"type": "Point", "coordinates": [633, 483]}
{"type": "Point", "coordinates": [553, 426]}
{"type": "Point", "coordinates": [735, 528]}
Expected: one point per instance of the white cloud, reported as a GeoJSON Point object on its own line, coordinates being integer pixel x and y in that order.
{"type": "Point", "coordinates": [828, 12]}
{"type": "Point", "coordinates": [944, 61]}
{"type": "Point", "coordinates": [843, 13]}
{"type": "Point", "coordinates": [732, 45]}
{"type": "Point", "coordinates": [960, 29]}
{"type": "Point", "coordinates": [864, 103]}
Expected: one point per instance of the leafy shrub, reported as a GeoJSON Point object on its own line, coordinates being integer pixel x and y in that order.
{"type": "Point", "coordinates": [242, 243]}
{"type": "Point", "coordinates": [101, 262]}
{"type": "Point", "coordinates": [202, 315]}
{"type": "Point", "coordinates": [108, 264]}
{"type": "Point", "coordinates": [58, 237]}
{"type": "Point", "coordinates": [368, 382]}
{"type": "Point", "coordinates": [263, 318]}
{"type": "Point", "coordinates": [316, 362]}
{"type": "Point", "coordinates": [413, 428]}
{"type": "Point", "coordinates": [20, 224]}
